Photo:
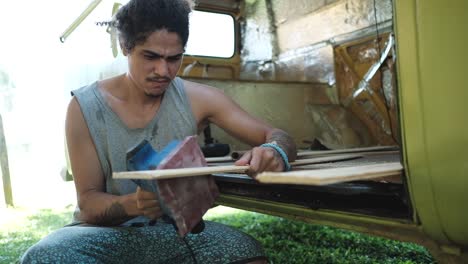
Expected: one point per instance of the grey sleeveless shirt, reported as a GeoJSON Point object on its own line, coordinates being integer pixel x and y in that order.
{"type": "Point", "coordinates": [113, 139]}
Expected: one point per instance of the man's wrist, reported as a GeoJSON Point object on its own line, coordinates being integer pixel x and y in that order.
{"type": "Point", "coordinates": [283, 155]}
{"type": "Point", "coordinates": [129, 203]}
{"type": "Point", "coordinates": [283, 140]}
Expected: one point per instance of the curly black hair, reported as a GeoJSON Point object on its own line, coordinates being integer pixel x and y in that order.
{"type": "Point", "coordinates": [136, 20]}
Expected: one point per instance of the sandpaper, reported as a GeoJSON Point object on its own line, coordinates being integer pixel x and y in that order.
{"type": "Point", "coordinates": [186, 199]}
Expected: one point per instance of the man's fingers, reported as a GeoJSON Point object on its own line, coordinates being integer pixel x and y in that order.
{"type": "Point", "coordinates": [265, 159]}
{"type": "Point", "coordinates": [150, 209]}
{"type": "Point", "coordinates": [245, 159]}
{"type": "Point", "coordinates": [143, 204]}
{"type": "Point", "coordinates": [148, 204]}
{"type": "Point", "coordinates": [154, 215]}
{"type": "Point", "coordinates": [257, 162]}
{"type": "Point", "coordinates": [261, 159]}
{"type": "Point", "coordinates": [275, 162]}
{"type": "Point", "coordinates": [145, 195]}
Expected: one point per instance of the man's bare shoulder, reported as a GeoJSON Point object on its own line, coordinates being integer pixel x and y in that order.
{"type": "Point", "coordinates": [200, 90]}
{"type": "Point", "coordinates": [74, 112]}
{"type": "Point", "coordinates": [206, 100]}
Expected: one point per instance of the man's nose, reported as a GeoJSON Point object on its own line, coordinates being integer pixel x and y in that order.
{"type": "Point", "coordinates": [161, 67]}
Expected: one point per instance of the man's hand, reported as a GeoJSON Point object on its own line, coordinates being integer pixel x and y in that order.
{"type": "Point", "coordinates": [148, 204]}
{"type": "Point", "coordinates": [261, 159]}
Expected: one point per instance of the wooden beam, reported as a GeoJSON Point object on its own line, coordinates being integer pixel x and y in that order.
{"type": "Point", "coordinates": [333, 158]}
{"type": "Point", "coordinates": [177, 173]}
{"type": "Point", "coordinates": [235, 155]}
{"type": "Point", "coordinates": [303, 177]}
{"type": "Point", "coordinates": [332, 175]}
{"type": "Point", "coordinates": [219, 159]}
{"type": "Point", "coordinates": [303, 158]}
{"type": "Point", "coordinates": [5, 168]}
{"type": "Point", "coordinates": [186, 172]}
{"type": "Point", "coordinates": [301, 154]}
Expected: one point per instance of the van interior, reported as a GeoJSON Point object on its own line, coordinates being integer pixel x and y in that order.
{"type": "Point", "coordinates": [325, 72]}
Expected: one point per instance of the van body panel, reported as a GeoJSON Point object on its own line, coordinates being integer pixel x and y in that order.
{"type": "Point", "coordinates": [432, 40]}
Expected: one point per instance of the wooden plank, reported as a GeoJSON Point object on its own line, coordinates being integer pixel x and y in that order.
{"type": "Point", "coordinates": [342, 151]}
{"type": "Point", "coordinates": [177, 173]}
{"type": "Point", "coordinates": [5, 168]}
{"type": "Point", "coordinates": [235, 155]}
{"type": "Point", "coordinates": [301, 157]}
{"type": "Point", "coordinates": [186, 172]}
{"type": "Point", "coordinates": [300, 162]}
{"type": "Point", "coordinates": [333, 175]}
{"type": "Point", "coordinates": [219, 159]}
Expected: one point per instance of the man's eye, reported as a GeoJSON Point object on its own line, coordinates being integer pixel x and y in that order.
{"type": "Point", "coordinates": [150, 57]}
{"type": "Point", "coordinates": [174, 58]}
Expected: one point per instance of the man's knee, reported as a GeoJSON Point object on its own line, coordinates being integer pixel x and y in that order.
{"type": "Point", "coordinates": [54, 248]}
{"type": "Point", "coordinates": [38, 253]}
{"type": "Point", "coordinates": [44, 252]}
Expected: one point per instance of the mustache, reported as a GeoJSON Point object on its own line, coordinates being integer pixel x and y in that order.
{"type": "Point", "coordinates": [158, 79]}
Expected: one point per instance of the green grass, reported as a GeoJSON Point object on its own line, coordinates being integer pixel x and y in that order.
{"type": "Point", "coordinates": [288, 241]}
{"type": "Point", "coordinates": [285, 241]}
{"type": "Point", "coordinates": [26, 228]}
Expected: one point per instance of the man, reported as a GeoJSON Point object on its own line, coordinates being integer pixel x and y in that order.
{"type": "Point", "coordinates": [109, 117]}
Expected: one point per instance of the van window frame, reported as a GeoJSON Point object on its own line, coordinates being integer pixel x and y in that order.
{"type": "Point", "coordinates": [235, 37]}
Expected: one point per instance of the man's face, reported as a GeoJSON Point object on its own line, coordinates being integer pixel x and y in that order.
{"type": "Point", "coordinates": [155, 63]}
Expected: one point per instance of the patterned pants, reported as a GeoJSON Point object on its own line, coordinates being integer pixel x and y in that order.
{"type": "Point", "coordinates": [146, 244]}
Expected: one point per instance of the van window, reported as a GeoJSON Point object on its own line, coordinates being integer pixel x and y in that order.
{"type": "Point", "coordinates": [211, 35]}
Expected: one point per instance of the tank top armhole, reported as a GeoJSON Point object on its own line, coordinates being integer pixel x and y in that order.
{"type": "Point", "coordinates": [180, 87]}
{"type": "Point", "coordinates": [87, 100]}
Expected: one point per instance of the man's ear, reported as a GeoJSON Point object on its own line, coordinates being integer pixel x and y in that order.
{"type": "Point", "coordinates": [122, 47]}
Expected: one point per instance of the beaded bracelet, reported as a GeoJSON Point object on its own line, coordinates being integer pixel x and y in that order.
{"type": "Point", "coordinates": [284, 157]}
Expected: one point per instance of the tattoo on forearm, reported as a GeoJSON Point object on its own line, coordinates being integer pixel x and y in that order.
{"type": "Point", "coordinates": [285, 142]}
{"type": "Point", "coordinates": [113, 215]}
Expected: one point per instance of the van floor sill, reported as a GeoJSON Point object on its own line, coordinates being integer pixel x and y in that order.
{"type": "Point", "coordinates": [375, 198]}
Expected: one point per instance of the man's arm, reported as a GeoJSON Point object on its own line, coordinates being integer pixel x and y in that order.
{"type": "Point", "coordinates": [285, 141]}
{"type": "Point", "coordinates": [210, 105]}
{"type": "Point", "coordinates": [267, 158]}
{"type": "Point", "coordinates": [96, 206]}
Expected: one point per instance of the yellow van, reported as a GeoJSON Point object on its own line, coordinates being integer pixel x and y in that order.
{"type": "Point", "coordinates": [379, 79]}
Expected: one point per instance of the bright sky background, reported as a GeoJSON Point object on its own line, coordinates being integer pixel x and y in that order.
{"type": "Point", "coordinates": [44, 71]}
{"type": "Point", "coordinates": [31, 53]}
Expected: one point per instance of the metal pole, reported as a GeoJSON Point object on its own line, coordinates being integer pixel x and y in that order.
{"type": "Point", "coordinates": [4, 165]}
{"type": "Point", "coordinates": [80, 19]}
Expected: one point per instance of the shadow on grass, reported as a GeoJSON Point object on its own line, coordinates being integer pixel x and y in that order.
{"type": "Point", "coordinates": [288, 241]}
{"type": "Point", "coordinates": [285, 241]}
